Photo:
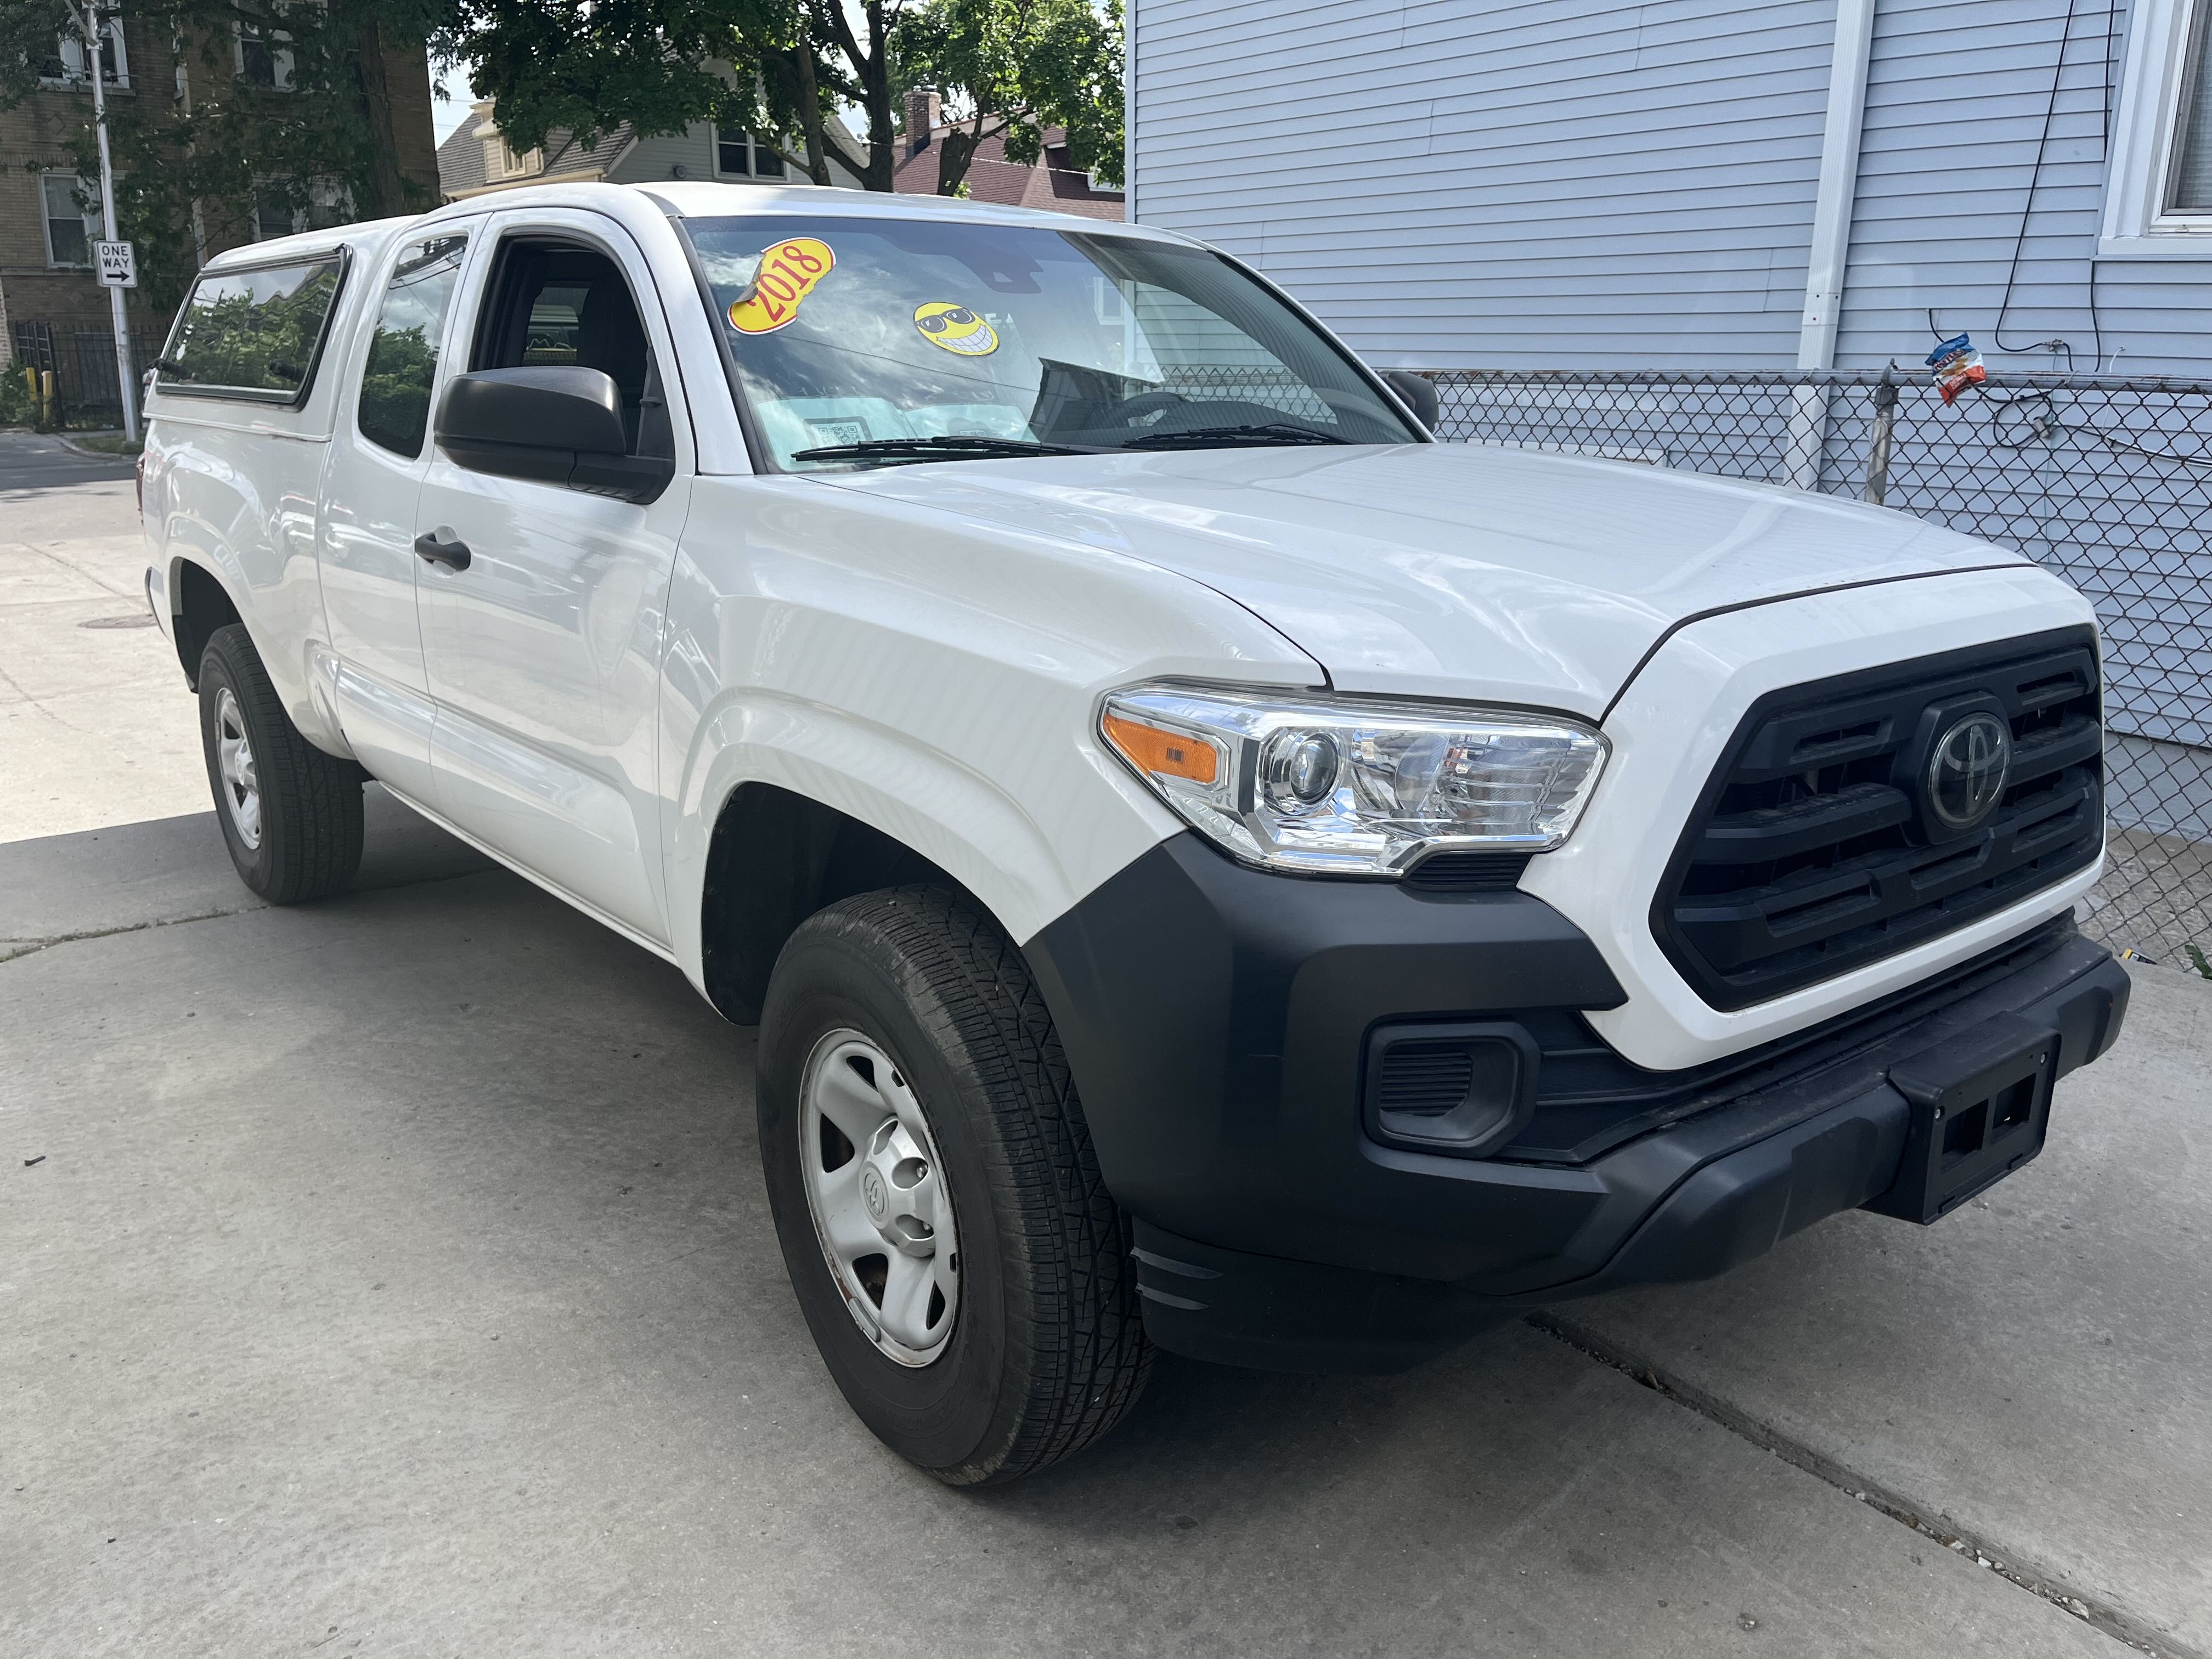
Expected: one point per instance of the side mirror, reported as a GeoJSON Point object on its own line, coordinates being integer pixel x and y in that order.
{"type": "Point", "coordinates": [557, 423]}
{"type": "Point", "coordinates": [1417, 392]}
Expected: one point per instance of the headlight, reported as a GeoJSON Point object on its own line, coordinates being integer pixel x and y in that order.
{"type": "Point", "coordinates": [1332, 787]}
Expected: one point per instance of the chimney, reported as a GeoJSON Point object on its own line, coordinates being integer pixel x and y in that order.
{"type": "Point", "coordinates": [922, 108]}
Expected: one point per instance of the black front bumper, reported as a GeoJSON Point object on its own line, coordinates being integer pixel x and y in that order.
{"type": "Point", "coordinates": [1215, 1018]}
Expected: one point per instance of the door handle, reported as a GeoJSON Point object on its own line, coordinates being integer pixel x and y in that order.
{"type": "Point", "coordinates": [453, 554]}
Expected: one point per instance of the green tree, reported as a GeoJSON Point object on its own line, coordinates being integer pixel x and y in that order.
{"type": "Point", "coordinates": [1011, 67]}
{"type": "Point", "coordinates": [280, 103]}
{"type": "Point", "coordinates": [776, 67]}
{"type": "Point", "coordinates": [784, 68]}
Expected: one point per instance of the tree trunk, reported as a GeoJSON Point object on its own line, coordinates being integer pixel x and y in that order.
{"type": "Point", "coordinates": [387, 190]}
{"type": "Point", "coordinates": [876, 88]}
{"type": "Point", "coordinates": [955, 151]}
{"type": "Point", "coordinates": [871, 66]}
{"type": "Point", "coordinates": [797, 67]}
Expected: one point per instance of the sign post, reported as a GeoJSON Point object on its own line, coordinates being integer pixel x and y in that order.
{"type": "Point", "coordinates": [118, 267]}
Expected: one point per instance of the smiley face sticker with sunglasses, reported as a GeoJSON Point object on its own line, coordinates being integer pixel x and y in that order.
{"type": "Point", "coordinates": [955, 328]}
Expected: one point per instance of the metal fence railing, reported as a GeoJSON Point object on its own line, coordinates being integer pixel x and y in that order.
{"type": "Point", "coordinates": [81, 357]}
{"type": "Point", "coordinates": [2107, 480]}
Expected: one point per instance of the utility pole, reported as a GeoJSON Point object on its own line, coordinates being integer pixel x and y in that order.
{"type": "Point", "coordinates": [92, 17]}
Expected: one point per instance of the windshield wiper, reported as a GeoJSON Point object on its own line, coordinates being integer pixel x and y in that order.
{"type": "Point", "coordinates": [953, 447]}
{"type": "Point", "coordinates": [1207, 437]}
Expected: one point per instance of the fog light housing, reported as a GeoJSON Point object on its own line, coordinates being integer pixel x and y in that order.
{"type": "Point", "coordinates": [1465, 1090]}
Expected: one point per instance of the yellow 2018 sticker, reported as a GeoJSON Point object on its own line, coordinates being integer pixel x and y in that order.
{"type": "Point", "coordinates": [955, 328]}
{"type": "Point", "coordinates": [788, 272]}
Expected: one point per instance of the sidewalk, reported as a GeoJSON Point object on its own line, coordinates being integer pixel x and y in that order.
{"type": "Point", "coordinates": [95, 724]}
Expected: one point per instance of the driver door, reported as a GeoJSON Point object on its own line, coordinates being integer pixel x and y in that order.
{"type": "Point", "coordinates": [543, 650]}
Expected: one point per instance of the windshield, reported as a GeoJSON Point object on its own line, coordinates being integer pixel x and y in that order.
{"type": "Point", "coordinates": [868, 342]}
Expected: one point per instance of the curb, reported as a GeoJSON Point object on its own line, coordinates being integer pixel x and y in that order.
{"type": "Point", "coordinates": [88, 454]}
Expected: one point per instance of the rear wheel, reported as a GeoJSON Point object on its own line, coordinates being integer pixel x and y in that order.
{"type": "Point", "coordinates": [291, 814]}
{"type": "Point", "coordinates": [962, 1268]}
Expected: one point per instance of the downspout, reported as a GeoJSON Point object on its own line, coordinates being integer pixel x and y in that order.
{"type": "Point", "coordinates": [1829, 256]}
{"type": "Point", "coordinates": [1129, 113]}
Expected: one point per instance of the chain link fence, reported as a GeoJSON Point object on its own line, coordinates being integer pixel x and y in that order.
{"type": "Point", "coordinates": [2107, 480]}
{"type": "Point", "coordinates": [81, 358]}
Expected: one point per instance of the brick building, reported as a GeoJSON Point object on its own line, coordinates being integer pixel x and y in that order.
{"type": "Point", "coordinates": [49, 218]}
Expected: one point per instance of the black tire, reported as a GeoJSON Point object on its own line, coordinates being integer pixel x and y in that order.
{"type": "Point", "coordinates": [308, 843]}
{"type": "Point", "coordinates": [1048, 1351]}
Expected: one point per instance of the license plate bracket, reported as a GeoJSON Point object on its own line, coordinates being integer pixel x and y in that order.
{"type": "Point", "coordinates": [1981, 1108]}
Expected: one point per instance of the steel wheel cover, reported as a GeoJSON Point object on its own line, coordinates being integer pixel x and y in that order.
{"type": "Point", "coordinates": [876, 1190]}
{"type": "Point", "coordinates": [241, 783]}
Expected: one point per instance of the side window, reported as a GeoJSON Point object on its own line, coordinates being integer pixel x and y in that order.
{"type": "Point", "coordinates": [394, 410]}
{"type": "Point", "coordinates": [562, 302]}
{"type": "Point", "coordinates": [255, 333]}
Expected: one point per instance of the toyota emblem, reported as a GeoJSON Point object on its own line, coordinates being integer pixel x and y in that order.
{"type": "Point", "coordinates": [1967, 770]}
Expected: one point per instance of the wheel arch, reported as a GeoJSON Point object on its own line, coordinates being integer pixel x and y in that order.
{"type": "Point", "coordinates": [775, 858]}
{"type": "Point", "coordinates": [199, 603]}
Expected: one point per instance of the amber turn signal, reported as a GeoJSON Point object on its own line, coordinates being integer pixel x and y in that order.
{"type": "Point", "coordinates": [1170, 754]}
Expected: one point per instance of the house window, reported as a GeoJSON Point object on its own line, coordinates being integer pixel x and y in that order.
{"type": "Point", "coordinates": [264, 57]}
{"type": "Point", "coordinates": [280, 210]}
{"type": "Point", "coordinates": [740, 154]}
{"type": "Point", "coordinates": [274, 216]}
{"type": "Point", "coordinates": [68, 63]}
{"type": "Point", "coordinates": [71, 222]}
{"type": "Point", "coordinates": [503, 161]}
{"type": "Point", "coordinates": [2159, 198]}
{"type": "Point", "coordinates": [2188, 188]}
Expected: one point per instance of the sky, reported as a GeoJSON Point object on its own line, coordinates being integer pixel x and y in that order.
{"type": "Point", "coordinates": [447, 113]}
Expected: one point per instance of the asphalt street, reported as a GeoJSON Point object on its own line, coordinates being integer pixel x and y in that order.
{"type": "Point", "coordinates": [35, 461]}
{"type": "Point", "coordinates": [391, 1275]}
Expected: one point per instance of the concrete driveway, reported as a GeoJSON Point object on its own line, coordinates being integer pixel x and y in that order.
{"type": "Point", "coordinates": [392, 1276]}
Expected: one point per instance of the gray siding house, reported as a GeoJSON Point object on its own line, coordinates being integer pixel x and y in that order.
{"type": "Point", "coordinates": [1698, 184]}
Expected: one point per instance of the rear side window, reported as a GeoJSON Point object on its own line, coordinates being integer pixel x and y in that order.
{"type": "Point", "coordinates": [403, 353]}
{"type": "Point", "coordinates": [255, 334]}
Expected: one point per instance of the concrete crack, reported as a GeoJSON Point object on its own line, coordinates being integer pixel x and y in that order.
{"type": "Point", "coordinates": [1995, 1557]}
{"type": "Point", "coordinates": [13, 950]}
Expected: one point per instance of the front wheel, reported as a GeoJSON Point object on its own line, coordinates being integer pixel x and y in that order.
{"type": "Point", "coordinates": [962, 1268]}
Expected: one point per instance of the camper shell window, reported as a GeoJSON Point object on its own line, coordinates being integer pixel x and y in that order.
{"type": "Point", "coordinates": [254, 332]}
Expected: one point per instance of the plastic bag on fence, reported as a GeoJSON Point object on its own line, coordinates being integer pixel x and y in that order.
{"type": "Point", "coordinates": [1957, 366]}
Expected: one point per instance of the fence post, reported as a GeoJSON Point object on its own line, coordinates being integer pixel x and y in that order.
{"type": "Point", "coordinates": [1884, 420]}
{"type": "Point", "coordinates": [1809, 436]}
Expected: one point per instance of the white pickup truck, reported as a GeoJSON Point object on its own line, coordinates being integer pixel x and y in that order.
{"type": "Point", "coordinates": [1213, 867]}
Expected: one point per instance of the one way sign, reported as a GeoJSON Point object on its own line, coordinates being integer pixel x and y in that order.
{"type": "Point", "coordinates": [118, 263]}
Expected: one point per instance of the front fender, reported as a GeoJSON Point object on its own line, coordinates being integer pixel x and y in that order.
{"type": "Point", "coordinates": [974, 827]}
{"type": "Point", "coordinates": [935, 678]}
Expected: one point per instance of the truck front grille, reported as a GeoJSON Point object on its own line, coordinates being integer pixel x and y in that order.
{"type": "Point", "coordinates": [1816, 847]}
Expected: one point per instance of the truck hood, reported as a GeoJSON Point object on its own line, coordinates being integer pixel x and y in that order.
{"type": "Point", "coordinates": [1449, 571]}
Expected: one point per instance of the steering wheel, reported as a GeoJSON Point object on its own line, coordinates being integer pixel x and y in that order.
{"type": "Point", "coordinates": [1147, 403]}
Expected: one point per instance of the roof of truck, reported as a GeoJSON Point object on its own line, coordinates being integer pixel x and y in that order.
{"type": "Point", "coordinates": [687, 199]}
{"type": "Point", "coordinates": [701, 200]}
{"type": "Point", "coordinates": [307, 244]}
